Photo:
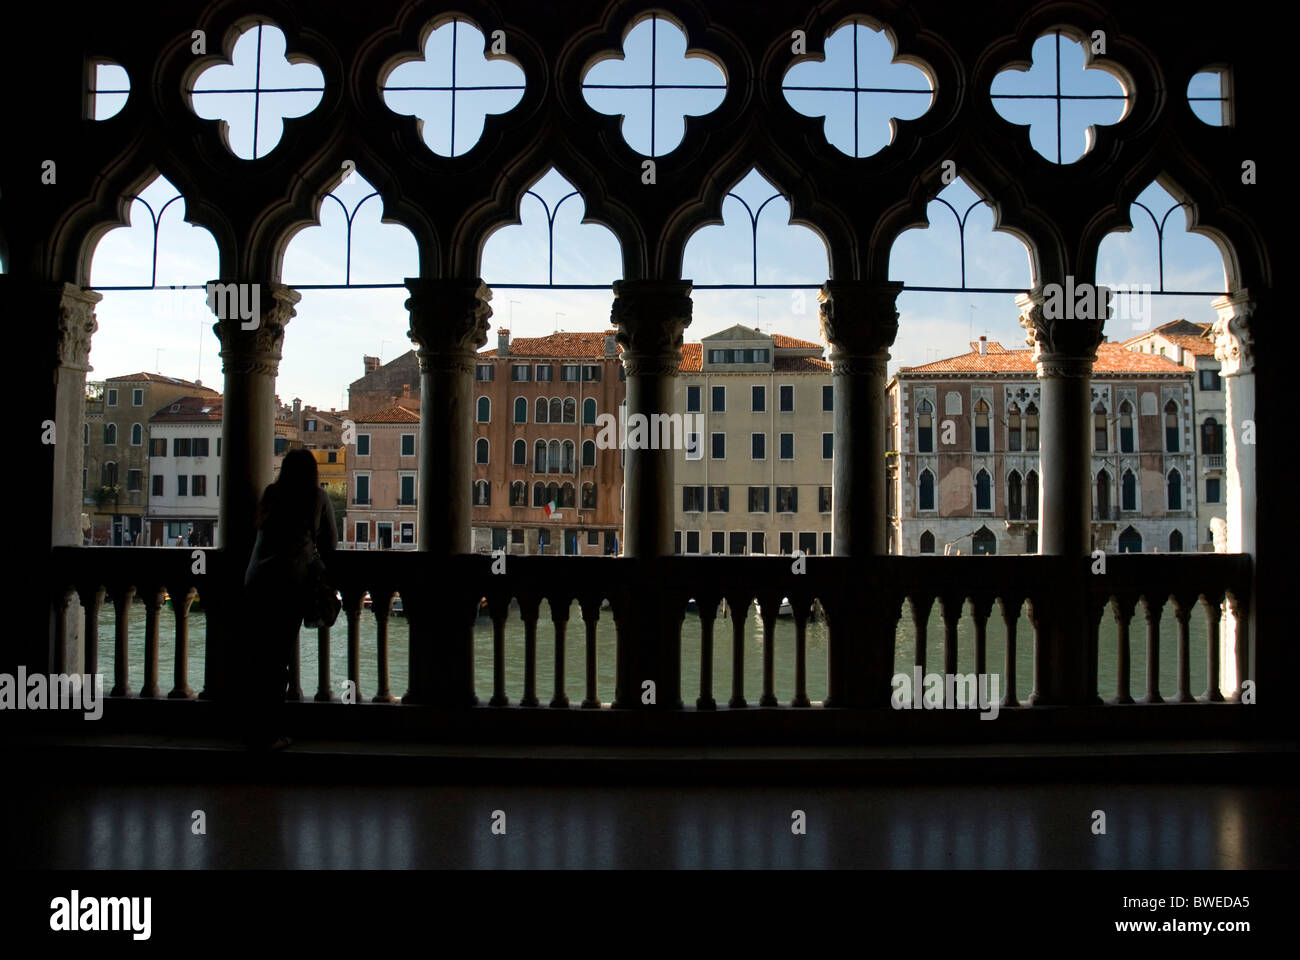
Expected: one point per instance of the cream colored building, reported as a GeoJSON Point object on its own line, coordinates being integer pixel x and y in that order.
{"type": "Point", "coordinates": [757, 479]}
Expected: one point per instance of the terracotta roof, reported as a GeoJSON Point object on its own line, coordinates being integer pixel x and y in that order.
{"type": "Point", "coordinates": [692, 357]}
{"type": "Point", "coordinates": [393, 413]}
{"type": "Point", "coordinates": [578, 346]}
{"type": "Point", "coordinates": [159, 378]}
{"type": "Point", "coordinates": [190, 410]}
{"type": "Point", "coordinates": [800, 365]}
{"type": "Point", "coordinates": [781, 341]}
{"type": "Point", "coordinates": [1112, 358]}
{"type": "Point", "coordinates": [1182, 333]}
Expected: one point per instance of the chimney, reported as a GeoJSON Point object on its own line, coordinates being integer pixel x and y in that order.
{"type": "Point", "coordinates": [611, 346]}
{"type": "Point", "coordinates": [984, 346]}
{"type": "Point", "coordinates": [371, 364]}
{"type": "Point", "coordinates": [406, 391]}
{"type": "Point", "coordinates": [297, 406]}
{"type": "Point", "coordinates": [503, 342]}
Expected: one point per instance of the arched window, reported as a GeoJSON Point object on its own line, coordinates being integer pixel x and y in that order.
{"type": "Point", "coordinates": [1130, 541]}
{"type": "Point", "coordinates": [1031, 495]}
{"type": "Point", "coordinates": [481, 450]}
{"type": "Point", "coordinates": [552, 492]}
{"type": "Point", "coordinates": [983, 542]}
{"type": "Point", "coordinates": [539, 494]}
{"type": "Point", "coordinates": [1128, 497]}
{"type": "Point", "coordinates": [566, 495]}
{"type": "Point", "coordinates": [541, 409]}
{"type": "Point", "coordinates": [566, 457]}
{"type": "Point", "coordinates": [589, 453]}
{"type": "Point", "coordinates": [108, 475]}
{"type": "Point", "coordinates": [518, 494]}
{"type": "Point", "coordinates": [482, 493]}
{"type": "Point", "coordinates": [983, 491]}
{"type": "Point", "coordinates": [1014, 507]}
{"type": "Point", "coordinates": [137, 435]}
{"type": "Point", "coordinates": [589, 496]}
{"type": "Point", "coordinates": [1031, 427]}
{"type": "Point", "coordinates": [539, 457]}
{"type": "Point", "coordinates": [1101, 440]}
{"type": "Point", "coordinates": [927, 542]}
{"type": "Point", "coordinates": [589, 411]}
{"type": "Point", "coordinates": [520, 457]}
{"type": "Point", "coordinates": [981, 427]}
{"type": "Point", "coordinates": [1013, 428]}
{"type": "Point", "coordinates": [1126, 427]}
{"type": "Point", "coordinates": [556, 409]}
{"type": "Point", "coordinates": [484, 410]}
{"type": "Point", "coordinates": [1176, 541]}
{"type": "Point", "coordinates": [1175, 490]}
{"type": "Point", "coordinates": [1103, 495]}
{"type": "Point", "coordinates": [521, 410]}
{"type": "Point", "coordinates": [925, 427]}
{"type": "Point", "coordinates": [1211, 437]}
{"type": "Point", "coordinates": [1171, 427]}
{"type": "Point", "coordinates": [926, 491]}
{"type": "Point", "coordinates": [553, 457]}
{"type": "Point", "coordinates": [110, 434]}
{"type": "Point", "coordinates": [570, 410]}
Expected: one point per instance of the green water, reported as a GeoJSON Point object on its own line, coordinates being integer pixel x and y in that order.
{"type": "Point", "coordinates": [575, 654]}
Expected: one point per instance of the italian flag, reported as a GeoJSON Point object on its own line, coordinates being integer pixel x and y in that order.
{"type": "Point", "coordinates": [552, 509]}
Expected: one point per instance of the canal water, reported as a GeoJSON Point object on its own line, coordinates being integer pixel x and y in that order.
{"type": "Point", "coordinates": [575, 647]}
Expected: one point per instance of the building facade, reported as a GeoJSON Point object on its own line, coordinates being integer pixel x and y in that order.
{"type": "Point", "coordinates": [185, 473]}
{"type": "Point", "coordinates": [963, 468]}
{"type": "Point", "coordinates": [755, 474]}
{"type": "Point", "coordinates": [382, 481]}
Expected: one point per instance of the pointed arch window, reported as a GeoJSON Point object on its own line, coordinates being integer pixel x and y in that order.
{"type": "Point", "coordinates": [541, 409]}
{"type": "Point", "coordinates": [481, 450]}
{"type": "Point", "coordinates": [1211, 437]}
{"type": "Point", "coordinates": [1126, 427]}
{"type": "Point", "coordinates": [1100, 432]}
{"type": "Point", "coordinates": [589, 411]}
{"type": "Point", "coordinates": [1031, 427]}
{"type": "Point", "coordinates": [1175, 490]}
{"type": "Point", "coordinates": [589, 453]}
{"type": "Point", "coordinates": [521, 410]}
{"type": "Point", "coordinates": [1176, 541]}
{"type": "Point", "coordinates": [1103, 495]}
{"type": "Point", "coordinates": [1014, 504]}
{"type": "Point", "coordinates": [983, 491]}
{"type": "Point", "coordinates": [556, 410]}
{"type": "Point", "coordinates": [570, 410]}
{"type": "Point", "coordinates": [518, 494]}
{"type": "Point", "coordinates": [1013, 428]}
{"type": "Point", "coordinates": [566, 457]}
{"type": "Point", "coordinates": [539, 494]}
{"type": "Point", "coordinates": [927, 542]}
{"type": "Point", "coordinates": [925, 427]}
{"type": "Point", "coordinates": [482, 493]}
{"type": "Point", "coordinates": [1171, 427]}
{"type": "Point", "coordinates": [1130, 541]}
{"type": "Point", "coordinates": [539, 457]}
{"type": "Point", "coordinates": [520, 457]}
{"type": "Point", "coordinates": [981, 427]}
{"type": "Point", "coordinates": [484, 410]}
{"type": "Point", "coordinates": [1031, 495]}
{"type": "Point", "coordinates": [553, 457]}
{"type": "Point", "coordinates": [925, 485]}
{"type": "Point", "coordinates": [1128, 491]}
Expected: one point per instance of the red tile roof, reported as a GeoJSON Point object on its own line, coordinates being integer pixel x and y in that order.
{"type": "Point", "coordinates": [579, 346]}
{"type": "Point", "coordinates": [800, 365]}
{"type": "Point", "coordinates": [159, 378]}
{"type": "Point", "coordinates": [1112, 358]}
{"type": "Point", "coordinates": [782, 342]}
{"type": "Point", "coordinates": [692, 358]}
{"type": "Point", "coordinates": [393, 413]}
{"type": "Point", "coordinates": [1182, 333]}
{"type": "Point", "coordinates": [190, 410]}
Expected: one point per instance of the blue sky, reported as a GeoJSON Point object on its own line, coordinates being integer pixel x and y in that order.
{"type": "Point", "coordinates": [169, 330]}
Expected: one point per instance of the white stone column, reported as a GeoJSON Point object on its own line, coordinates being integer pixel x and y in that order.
{"type": "Point", "coordinates": [1234, 348]}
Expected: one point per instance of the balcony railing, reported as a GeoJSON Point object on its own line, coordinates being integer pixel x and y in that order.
{"type": "Point", "coordinates": [1212, 461]}
{"type": "Point", "coordinates": [851, 595]}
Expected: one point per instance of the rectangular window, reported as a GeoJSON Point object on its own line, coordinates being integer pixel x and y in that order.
{"type": "Point", "coordinates": [200, 446]}
{"type": "Point", "coordinates": [719, 499]}
{"type": "Point", "coordinates": [758, 446]}
{"type": "Point", "coordinates": [521, 373]}
{"type": "Point", "coordinates": [828, 398]}
{"type": "Point", "coordinates": [407, 484]}
{"type": "Point", "coordinates": [760, 499]}
{"type": "Point", "coordinates": [363, 444]}
{"type": "Point", "coordinates": [823, 499]}
{"type": "Point", "coordinates": [718, 446]}
{"type": "Point", "coordinates": [134, 478]}
{"type": "Point", "coordinates": [218, 446]}
{"type": "Point", "coordinates": [758, 399]}
{"type": "Point", "coordinates": [826, 543]}
{"type": "Point", "coordinates": [694, 450]}
{"type": "Point", "coordinates": [692, 541]}
{"type": "Point", "coordinates": [719, 400]}
{"type": "Point", "coordinates": [199, 485]}
{"type": "Point", "coordinates": [408, 444]}
{"type": "Point", "coordinates": [180, 446]}
{"type": "Point", "coordinates": [157, 447]}
{"type": "Point", "coordinates": [736, 546]}
{"type": "Point", "coordinates": [808, 543]}
{"type": "Point", "coordinates": [787, 499]}
{"type": "Point", "coordinates": [408, 533]}
{"type": "Point", "coordinates": [787, 542]}
{"type": "Point", "coordinates": [545, 373]}
{"type": "Point", "coordinates": [591, 373]}
{"type": "Point", "coordinates": [363, 489]}
{"type": "Point", "coordinates": [361, 532]}
{"type": "Point", "coordinates": [332, 456]}
{"type": "Point", "coordinates": [787, 446]}
{"type": "Point", "coordinates": [718, 543]}
{"type": "Point", "coordinates": [1212, 490]}
{"type": "Point", "coordinates": [593, 538]}
{"type": "Point", "coordinates": [484, 371]}
{"type": "Point", "coordinates": [182, 485]}
{"type": "Point", "coordinates": [693, 399]}
{"type": "Point", "coordinates": [692, 499]}
{"type": "Point", "coordinates": [517, 535]}
{"type": "Point", "coordinates": [787, 398]}
{"type": "Point", "coordinates": [828, 446]}
{"type": "Point", "coordinates": [757, 546]}
{"type": "Point", "coordinates": [677, 542]}
{"type": "Point", "coordinates": [309, 426]}
{"type": "Point", "coordinates": [112, 398]}
{"type": "Point", "coordinates": [137, 398]}
{"type": "Point", "coordinates": [1210, 380]}
{"type": "Point", "coordinates": [569, 372]}
{"type": "Point", "coordinates": [157, 490]}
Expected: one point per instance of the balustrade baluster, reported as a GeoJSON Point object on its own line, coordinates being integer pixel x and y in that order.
{"type": "Point", "coordinates": [590, 607]}
{"type": "Point", "coordinates": [1213, 608]}
{"type": "Point", "coordinates": [981, 607]}
{"type": "Point", "coordinates": [1183, 614]}
{"type": "Point", "coordinates": [323, 692]}
{"type": "Point", "coordinates": [530, 611]}
{"type": "Point", "coordinates": [921, 621]}
{"type": "Point", "coordinates": [182, 599]}
{"type": "Point", "coordinates": [353, 598]}
{"type": "Point", "coordinates": [1239, 608]}
{"type": "Point", "coordinates": [951, 606]}
{"type": "Point", "coordinates": [1123, 607]}
{"type": "Point", "coordinates": [381, 605]}
{"type": "Point", "coordinates": [92, 599]}
{"type": "Point", "coordinates": [706, 607]}
{"type": "Point", "coordinates": [801, 609]}
{"type": "Point", "coordinates": [153, 601]}
{"type": "Point", "coordinates": [738, 604]}
{"type": "Point", "coordinates": [122, 597]}
{"type": "Point", "coordinates": [560, 621]}
{"type": "Point", "coordinates": [1154, 607]}
{"type": "Point", "coordinates": [1010, 617]}
{"type": "Point", "coordinates": [770, 606]}
{"type": "Point", "coordinates": [499, 610]}
{"type": "Point", "coordinates": [295, 668]}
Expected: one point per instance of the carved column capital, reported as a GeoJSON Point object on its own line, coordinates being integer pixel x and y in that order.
{"type": "Point", "coordinates": [77, 324]}
{"type": "Point", "coordinates": [1065, 345]}
{"type": "Point", "coordinates": [1234, 340]}
{"type": "Point", "coordinates": [651, 317]}
{"type": "Point", "coordinates": [449, 322]}
{"type": "Point", "coordinates": [859, 321]}
{"type": "Point", "coordinates": [250, 324]}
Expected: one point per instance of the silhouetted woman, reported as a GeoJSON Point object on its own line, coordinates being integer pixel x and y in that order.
{"type": "Point", "coordinates": [294, 521]}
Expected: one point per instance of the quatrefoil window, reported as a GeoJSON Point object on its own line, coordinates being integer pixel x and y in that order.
{"type": "Point", "coordinates": [654, 86]}
{"type": "Point", "coordinates": [454, 88]}
{"type": "Point", "coordinates": [1060, 98]}
{"type": "Point", "coordinates": [859, 89]}
{"type": "Point", "coordinates": [257, 90]}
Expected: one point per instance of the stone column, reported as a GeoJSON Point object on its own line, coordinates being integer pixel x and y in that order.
{"type": "Point", "coordinates": [1234, 348]}
{"type": "Point", "coordinates": [251, 319]}
{"type": "Point", "coordinates": [77, 324]}
{"type": "Point", "coordinates": [859, 322]}
{"type": "Point", "coordinates": [651, 316]}
{"type": "Point", "coordinates": [1065, 347]}
{"type": "Point", "coordinates": [449, 323]}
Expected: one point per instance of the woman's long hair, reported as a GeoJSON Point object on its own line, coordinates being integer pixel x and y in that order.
{"type": "Point", "coordinates": [293, 495]}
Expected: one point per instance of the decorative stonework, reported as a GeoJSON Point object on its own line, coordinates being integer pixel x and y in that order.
{"type": "Point", "coordinates": [1234, 342]}
{"type": "Point", "coordinates": [449, 322]}
{"type": "Point", "coordinates": [651, 316]}
{"type": "Point", "coordinates": [257, 351]}
{"type": "Point", "coordinates": [859, 323]}
{"type": "Point", "coordinates": [77, 324]}
{"type": "Point", "coordinates": [1058, 344]}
